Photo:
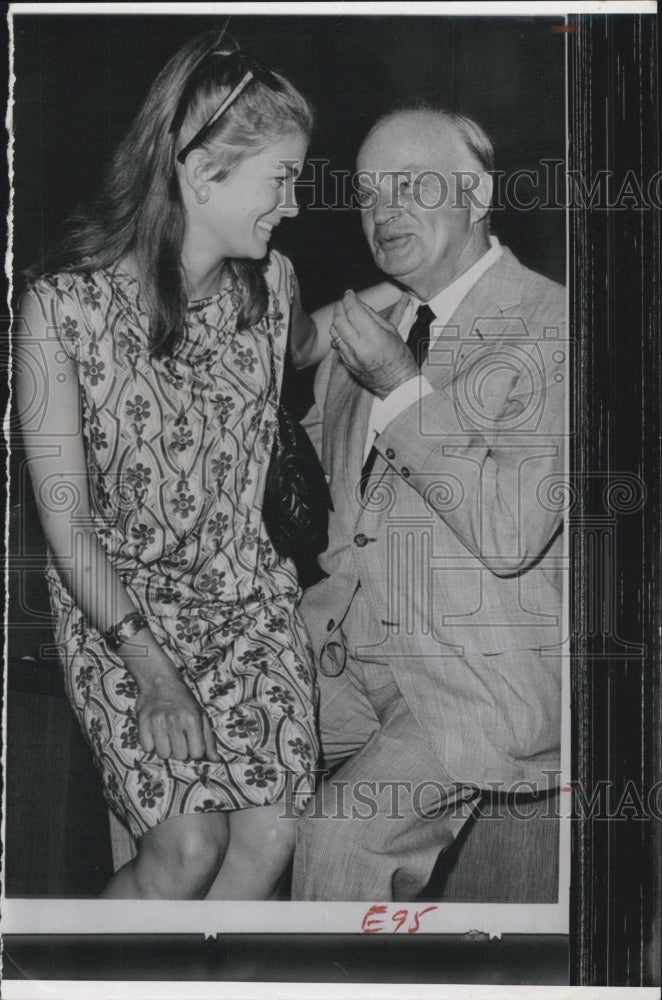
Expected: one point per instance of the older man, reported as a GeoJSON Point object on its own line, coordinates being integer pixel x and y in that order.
{"type": "Point", "coordinates": [438, 626]}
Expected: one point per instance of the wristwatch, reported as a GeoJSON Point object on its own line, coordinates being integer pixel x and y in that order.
{"type": "Point", "coordinates": [124, 629]}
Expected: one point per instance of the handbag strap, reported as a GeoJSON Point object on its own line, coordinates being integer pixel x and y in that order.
{"type": "Point", "coordinates": [272, 389]}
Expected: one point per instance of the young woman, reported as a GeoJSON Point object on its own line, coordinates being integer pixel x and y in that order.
{"type": "Point", "coordinates": [161, 328]}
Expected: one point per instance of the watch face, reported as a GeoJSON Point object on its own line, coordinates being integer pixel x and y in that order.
{"type": "Point", "coordinates": [125, 628]}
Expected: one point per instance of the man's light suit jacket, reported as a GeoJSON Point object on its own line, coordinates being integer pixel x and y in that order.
{"type": "Point", "coordinates": [458, 543]}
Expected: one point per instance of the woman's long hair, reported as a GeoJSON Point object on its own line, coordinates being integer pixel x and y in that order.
{"type": "Point", "coordinates": [140, 208]}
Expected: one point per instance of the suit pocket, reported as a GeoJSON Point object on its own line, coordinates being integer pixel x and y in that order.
{"type": "Point", "coordinates": [526, 687]}
{"type": "Point", "coordinates": [514, 629]}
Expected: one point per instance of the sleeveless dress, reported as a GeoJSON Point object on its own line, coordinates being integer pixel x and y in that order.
{"type": "Point", "coordinates": [177, 451]}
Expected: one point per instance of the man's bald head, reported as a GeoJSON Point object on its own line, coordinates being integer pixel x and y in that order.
{"type": "Point", "coordinates": [428, 174]}
{"type": "Point", "coordinates": [439, 122]}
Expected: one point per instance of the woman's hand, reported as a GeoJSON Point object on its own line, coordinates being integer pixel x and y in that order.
{"type": "Point", "coordinates": [171, 722]}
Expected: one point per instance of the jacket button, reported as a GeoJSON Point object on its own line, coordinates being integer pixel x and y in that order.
{"type": "Point", "coordinates": [404, 471]}
{"type": "Point", "coordinates": [390, 453]}
{"type": "Point", "coordinates": [330, 625]}
{"type": "Point", "coordinates": [360, 540]}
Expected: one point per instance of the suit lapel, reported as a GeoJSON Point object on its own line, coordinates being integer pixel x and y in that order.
{"type": "Point", "coordinates": [347, 414]}
{"type": "Point", "coordinates": [481, 317]}
{"type": "Point", "coordinates": [348, 405]}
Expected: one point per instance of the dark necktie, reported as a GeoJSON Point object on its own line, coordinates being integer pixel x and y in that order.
{"type": "Point", "coordinates": [418, 342]}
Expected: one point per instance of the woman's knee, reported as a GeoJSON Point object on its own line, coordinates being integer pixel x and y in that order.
{"type": "Point", "coordinates": [187, 850]}
{"type": "Point", "coordinates": [266, 833]}
{"type": "Point", "coordinates": [280, 836]}
{"type": "Point", "coordinates": [200, 849]}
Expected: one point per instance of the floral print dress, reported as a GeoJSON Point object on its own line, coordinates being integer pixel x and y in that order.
{"type": "Point", "coordinates": [177, 452]}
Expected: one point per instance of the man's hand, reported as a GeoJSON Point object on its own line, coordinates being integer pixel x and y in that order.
{"type": "Point", "coordinates": [370, 347]}
{"type": "Point", "coordinates": [171, 722]}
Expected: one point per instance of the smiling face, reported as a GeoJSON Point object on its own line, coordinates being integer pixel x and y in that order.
{"type": "Point", "coordinates": [419, 232]}
{"type": "Point", "coordinates": [242, 210]}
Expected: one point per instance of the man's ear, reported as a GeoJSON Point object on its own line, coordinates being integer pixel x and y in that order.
{"type": "Point", "coordinates": [480, 197]}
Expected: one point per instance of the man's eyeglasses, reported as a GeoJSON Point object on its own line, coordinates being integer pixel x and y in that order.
{"type": "Point", "coordinates": [229, 66]}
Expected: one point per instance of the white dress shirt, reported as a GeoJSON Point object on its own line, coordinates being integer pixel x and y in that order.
{"type": "Point", "coordinates": [443, 306]}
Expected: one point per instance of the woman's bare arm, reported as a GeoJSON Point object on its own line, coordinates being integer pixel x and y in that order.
{"type": "Point", "coordinates": [169, 719]}
{"type": "Point", "coordinates": [310, 336]}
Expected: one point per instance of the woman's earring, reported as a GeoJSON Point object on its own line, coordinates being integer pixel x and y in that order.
{"type": "Point", "coordinates": [202, 194]}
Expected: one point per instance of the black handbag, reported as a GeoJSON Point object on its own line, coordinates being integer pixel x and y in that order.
{"type": "Point", "coordinates": [296, 501]}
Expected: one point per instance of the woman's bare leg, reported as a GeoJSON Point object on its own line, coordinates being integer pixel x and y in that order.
{"type": "Point", "coordinates": [260, 847]}
{"type": "Point", "coordinates": [179, 859]}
